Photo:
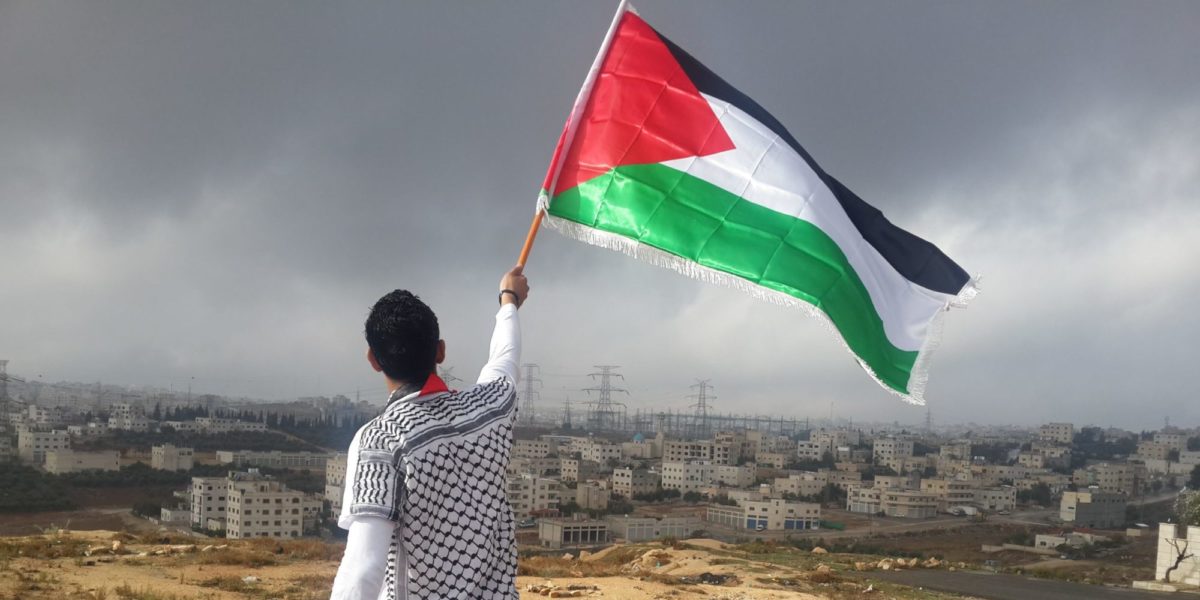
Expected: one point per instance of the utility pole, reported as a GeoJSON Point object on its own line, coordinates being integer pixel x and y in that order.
{"type": "Point", "coordinates": [605, 414]}
{"type": "Point", "coordinates": [567, 412]}
{"type": "Point", "coordinates": [700, 428]}
{"type": "Point", "coordinates": [532, 383]}
{"type": "Point", "coordinates": [928, 420]}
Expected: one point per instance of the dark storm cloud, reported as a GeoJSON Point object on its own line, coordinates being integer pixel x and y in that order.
{"type": "Point", "coordinates": [218, 190]}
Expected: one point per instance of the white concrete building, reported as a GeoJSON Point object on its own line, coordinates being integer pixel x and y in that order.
{"type": "Point", "coordinates": [885, 450]}
{"type": "Point", "coordinates": [601, 452]}
{"type": "Point", "coordinates": [209, 500]}
{"type": "Point", "coordinates": [59, 462]}
{"type": "Point", "coordinates": [800, 484]}
{"type": "Point", "coordinates": [259, 507]}
{"type": "Point", "coordinates": [641, 529]}
{"type": "Point", "coordinates": [591, 496]}
{"type": "Point", "coordinates": [127, 417]}
{"type": "Point", "coordinates": [335, 481]}
{"type": "Point", "coordinates": [274, 459]}
{"type": "Point", "coordinates": [573, 469]}
{"type": "Point", "coordinates": [560, 533]}
{"type": "Point", "coordinates": [767, 515]}
{"type": "Point", "coordinates": [689, 476]}
{"type": "Point", "coordinates": [32, 445]}
{"type": "Point", "coordinates": [212, 425]}
{"type": "Point", "coordinates": [1063, 433]}
{"type": "Point", "coordinates": [170, 458]}
{"type": "Point", "coordinates": [539, 448]}
{"type": "Point", "coordinates": [530, 495]}
{"type": "Point", "coordinates": [733, 476]}
{"type": "Point", "coordinates": [630, 482]}
{"type": "Point", "coordinates": [1093, 508]}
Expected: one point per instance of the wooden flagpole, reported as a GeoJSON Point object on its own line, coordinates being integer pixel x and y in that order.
{"type": "Point", "coordinates": [585, 92]}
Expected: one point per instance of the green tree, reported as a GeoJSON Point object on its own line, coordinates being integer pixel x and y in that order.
{"type": "Point", "coordinates": [1187, 509]}
{"type": "Point", "coordinates": [1194, 481]}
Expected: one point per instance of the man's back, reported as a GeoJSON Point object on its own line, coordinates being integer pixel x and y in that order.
{"type": "Point", "coordinates": [425, 500]}
{"type": "Point", "coordinates": [436, 464]}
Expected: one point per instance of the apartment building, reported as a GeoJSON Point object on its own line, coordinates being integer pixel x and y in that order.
{"type": "Point", "coordinates": [539, 448]}
{"type": "Point", "coordinates": [209, 500]}
{"type": "Point", "coordinates": [800, 484]}
{"type": "Point", "coordinates": [1175, 441]}
{"type": "Point", "coordinates": [1062, 433]}
{"type": "Point", "coordinates": [689, 476]}
{"type": "Point", "coordinates": [774, 460]}
{"type": "Point", "coordinates": [808, 451]}
{"type": "Point", "coordinates": [535, 466]}
{"type": "Point", "coordinates": [591, 496]}
{"type": "Point", "coordinates": [716, 452]}
{"type": "Point", "coordinates": [259, 507]}
{"type": "Point", "coordinates": [128, 417]}
{"type": "Point", "coordinates": [274, 459]}
{"type": "Point", "coordinates": [733, 476]}
{"type": "Point", "coordinates": [630, 482]}
{"type": "Point", "coordinates": [222, 425]}
{"type": "Point", "coordinates": [573, 469]}
{"type": "Point", "coordinates": [600, 452]}
{"type": "Point", "coordinates": [59, 462]}
{"type": "Point", "coordinates": [885, 450]}
{"type": "Point", "coordinates": [910, 504]}
{"type": "Point", "coordinates": [530, 495]}
{"type": "Point", "coordinates": [1093, 508]}
{"type": "Point", "coordinates": [32, 444]}
{"type": "Point", "coordinates": [1124, 478]}
{"type": "Point", "coordinates": [335, 482]}
{"type": "Point", "coordinates": [959, 450]}
{"type": "Point", "coordinates": [168, 457]}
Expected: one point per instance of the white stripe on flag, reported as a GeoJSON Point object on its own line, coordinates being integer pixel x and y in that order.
{"type": "Point", "coordinates": [765, 170]}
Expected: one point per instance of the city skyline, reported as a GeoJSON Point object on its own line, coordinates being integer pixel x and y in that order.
{"type": "Point", "coordinates": [215, 195]}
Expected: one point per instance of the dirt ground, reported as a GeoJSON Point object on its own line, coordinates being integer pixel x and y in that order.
{"type": "Point", "coordinates": [79, 565]}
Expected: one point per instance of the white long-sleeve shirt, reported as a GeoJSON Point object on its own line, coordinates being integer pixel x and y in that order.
{"type": "Point", "coordinates": [425, 501]}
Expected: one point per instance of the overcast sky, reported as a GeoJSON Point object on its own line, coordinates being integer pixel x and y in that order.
{"type": "Point", "coordinates": [218, 191]}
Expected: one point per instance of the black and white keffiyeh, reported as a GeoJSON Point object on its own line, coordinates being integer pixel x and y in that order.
{"type": "Point", "coordinates": [435, 465]}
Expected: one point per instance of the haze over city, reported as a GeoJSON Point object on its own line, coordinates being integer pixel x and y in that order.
{"type": "Point", "coordinates": [214, 194]}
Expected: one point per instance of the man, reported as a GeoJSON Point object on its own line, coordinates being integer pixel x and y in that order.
{"type": "Point", "coordinates": [425, 499]}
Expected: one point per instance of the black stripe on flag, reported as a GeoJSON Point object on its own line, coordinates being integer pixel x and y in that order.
{"type": "Point", "coordinates": [916, 259]}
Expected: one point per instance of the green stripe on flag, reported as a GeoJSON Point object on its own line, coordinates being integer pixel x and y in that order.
{"type": "Point", "coordinates": [691, 218]}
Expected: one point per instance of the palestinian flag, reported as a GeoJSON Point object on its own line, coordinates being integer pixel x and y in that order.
{"type": "Point", "coordinates": [665, 161]}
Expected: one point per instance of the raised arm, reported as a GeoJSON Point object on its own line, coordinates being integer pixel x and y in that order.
{"type": "Point", "coordinates": [504, 355]}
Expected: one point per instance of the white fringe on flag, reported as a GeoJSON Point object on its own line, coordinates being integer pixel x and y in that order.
{"type": "Point", "coordinates": [649, 254]}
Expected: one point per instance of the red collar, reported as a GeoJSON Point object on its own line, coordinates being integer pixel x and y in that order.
{"type": "Point", "coordinates": [433, 385]}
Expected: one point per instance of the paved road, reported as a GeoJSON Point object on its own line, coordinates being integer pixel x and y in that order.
{"type": "Point", "coordinates": [994, 586]}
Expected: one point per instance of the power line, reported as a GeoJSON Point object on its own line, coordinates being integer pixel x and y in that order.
{"type": "Point", "coordinates": [606, 414]}
{"type": "Point", "coordinates": [700, 425]}
{"type": "Point", "coordinates": [531, 382]}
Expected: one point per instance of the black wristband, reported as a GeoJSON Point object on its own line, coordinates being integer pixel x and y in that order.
{"type": "Point", "coordinates": [516, 298]}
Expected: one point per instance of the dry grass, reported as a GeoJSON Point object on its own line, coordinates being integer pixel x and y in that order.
{"type": "Point", "coordinates": [556, 566]}
{"type": "Point", "coordinates": [50, 546]}
{"type": "Point", "coordinates": [301, 549]}
{"type": "Point", "coordinates": [232, 556]}
{"type": "Point", "coordinates": [128, 592]}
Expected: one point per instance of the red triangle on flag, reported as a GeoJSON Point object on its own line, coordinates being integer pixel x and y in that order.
{"type": "Point", "coordinates": [643, 109]}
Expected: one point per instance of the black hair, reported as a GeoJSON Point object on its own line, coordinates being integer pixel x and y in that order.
{"type": "Point", "coordinates": [402, 333]}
